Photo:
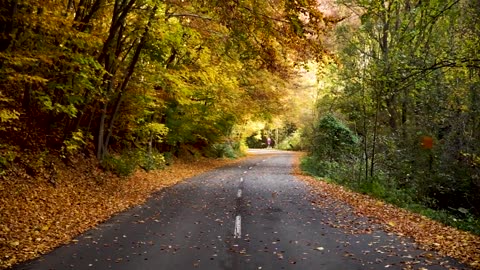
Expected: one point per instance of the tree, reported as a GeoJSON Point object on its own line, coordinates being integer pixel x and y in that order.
{"type": "Point", "coordinates": [408, 70]}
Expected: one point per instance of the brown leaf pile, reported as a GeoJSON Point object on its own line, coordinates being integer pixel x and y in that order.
{"type": "Point", "coordinates": [429, 234]}
{"type": "Point", "coordinates": [39, 213]}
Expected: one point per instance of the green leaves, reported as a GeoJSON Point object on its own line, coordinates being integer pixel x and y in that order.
{"type": "Point", "coordinates": [406, 70]}
{"type": "Point", "coordinates": [333, 140]}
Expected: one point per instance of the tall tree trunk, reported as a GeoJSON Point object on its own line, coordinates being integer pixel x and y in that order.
{"type": "Point", "coordinates": [128, 76]}
{"type": "Point", "coordinates": [7, 22]}
{"type": "Point", "coordinates": [101, 150]}
{"type": "Point", "coordinates": [101, 131]}
{"type": "Point", "coordinates": [365, 131]}
{"type": "Point", "coordinates": [375, 134]}
{"type": "Point", "coordinates": [391, 104]}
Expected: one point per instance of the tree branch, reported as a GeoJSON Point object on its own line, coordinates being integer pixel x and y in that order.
{"type": "Point", "coordinates": [190, 15]}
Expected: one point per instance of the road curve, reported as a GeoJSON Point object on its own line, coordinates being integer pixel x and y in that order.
{"type": "Point", "coordinates": [251, 215]}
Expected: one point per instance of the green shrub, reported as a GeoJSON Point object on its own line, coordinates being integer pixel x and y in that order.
{"type": "Point", "coordinates": [169, 158]}
{"type": "Point", "coordinates": [121, 165]}
{"type": "Point", "coordinates": [256, 140]}
{"type": "Point", "coordinates": [225, 150]}
{"type": "Point", "coordinates": [374, 188]}
{"type": "Point", "coordinates": [151, 161]}
{"type": "Point", "coordinates": [332, 139]}
{"type": "Point", "coordinates": [322, 168]}
{"type": "Point", "coordinates": [292, 142]}
{"type": "Point", "coordinates": [128, 161]}
{"type": "Point", "coordinates": [7, 154]}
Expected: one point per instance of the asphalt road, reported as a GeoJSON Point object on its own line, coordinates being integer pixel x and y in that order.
{"type": "Point", "coordinates": [252, 215]}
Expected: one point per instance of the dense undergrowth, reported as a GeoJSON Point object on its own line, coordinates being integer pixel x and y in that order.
{"type": "Point", "coordinates": [427, 233]}
{"type": "Point", "coordinates": [385, 189]}
{"type": "Point", "coordinates": [335, 155]}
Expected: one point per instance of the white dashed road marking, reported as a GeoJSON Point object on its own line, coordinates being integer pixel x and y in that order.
{"type": "Point", "coordinates": [238, 227]}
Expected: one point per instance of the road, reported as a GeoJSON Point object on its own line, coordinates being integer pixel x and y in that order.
{"type": "Point", "coordinates": [251, 215]}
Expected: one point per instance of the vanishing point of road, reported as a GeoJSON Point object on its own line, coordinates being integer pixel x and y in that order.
{"type": "Point", "coordinates": [251, 215]}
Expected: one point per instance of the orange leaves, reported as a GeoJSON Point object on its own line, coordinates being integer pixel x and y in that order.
{"type": "Point", "coordinates": [427, 142]}
{"type": "Point", "coordinates": [36, 216]}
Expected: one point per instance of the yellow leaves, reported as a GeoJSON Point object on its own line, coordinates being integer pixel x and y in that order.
{"type": "Point", "coordinates": [7, 115]}
{"type": "Point", "coordinates": [32, 79]}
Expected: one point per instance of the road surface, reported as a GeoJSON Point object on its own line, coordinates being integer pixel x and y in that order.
{"type": "Point", "coordinates": [251, 215]}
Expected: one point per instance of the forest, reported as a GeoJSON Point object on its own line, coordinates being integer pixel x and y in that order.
{"type": "Point", "coordinates": [383, 95]}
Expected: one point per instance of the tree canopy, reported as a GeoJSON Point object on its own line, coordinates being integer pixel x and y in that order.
{"type": "Point", "coordinates": [146, 74]}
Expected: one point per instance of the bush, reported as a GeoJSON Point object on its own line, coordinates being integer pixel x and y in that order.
{"type": "Point", "coordinates": [151, 161]}
{"type": "Point", "coordinates": [332, 139]}
{"type": "Point", "coordinates": [256, 141]}
{"type": "Point", "coordinates": [7, 154]}
{"type": "Point", "coordinates": [292, 142]}
{"type": "Point", "coordinates": [329, 169]}
{"type": "Point", "coordinates": [227, 150]}
{"type": "Point", "coordinates": [128, 161]}
{"type": "Point", "coordinates": [121, 165]}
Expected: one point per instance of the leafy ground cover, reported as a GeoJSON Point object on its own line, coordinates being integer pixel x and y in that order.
{"type": "Point", "coordinates": [429, 234]}
{"type": "Point", "coordinates": [38, 213]}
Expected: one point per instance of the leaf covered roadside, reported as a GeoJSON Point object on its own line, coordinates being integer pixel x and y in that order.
{"type": "Point", "coordinates": [38, 214]}
{"type": "Point", "coordinates": [429, 234]}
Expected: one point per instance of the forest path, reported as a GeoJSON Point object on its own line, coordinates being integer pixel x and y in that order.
{"type": "Point", "coordinates": [251, 215]}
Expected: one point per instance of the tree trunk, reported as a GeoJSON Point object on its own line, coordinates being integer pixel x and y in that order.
{"type": "Point", "coordinates": [392, 112]}
{"type": "Point", "coordinates": [101, 150]}
{"type": "Point", "coordinates": [128, 76]}
{"type": "Point", "coordinates": [374, 140]}
{"type": "Point", "coordinates": [7, 23]}
{"type": "Point", "coordinates": [101, 132]}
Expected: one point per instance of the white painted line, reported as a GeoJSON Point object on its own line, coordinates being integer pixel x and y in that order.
{"type": "Point", "coordinates": [237, 233]}
{"type": "Point", "coordinates": [245, 172]}
{"type": "Point", "coordinates": [241, 179]}
{"type": "Point", "coordinates": [239, 193]}
{"type": "Point", "coordinates": [250, 168]}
